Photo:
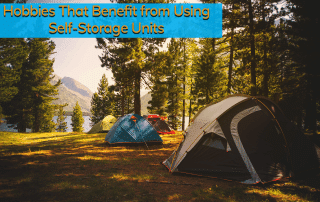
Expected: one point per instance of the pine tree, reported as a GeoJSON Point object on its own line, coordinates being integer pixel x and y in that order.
{"type": "Point", "coordinates": [126, 59]}
{"type": "Point", "coordinates": [42, 91]}
{"type": "Point", "coordinates": [130, 56]}
{"type": "Point", "coordinates": [95, 108]}
{"type": "Point", "coordinates": [159, 90]}
{"type": "Point", "coordinates": [135, 66]}
{"type": "Point", "coordinates": [193, 53]}
{"type": "Point", "coordinates": [102, 103]}
{"type": "Point", "coordinates": [77, 119]}
{"type": "Point", "coordinates": [210, 78]}
{"type": "Point", "coordinates": [13, 53]}
{"type": "Point", "coordinates": [115, 58]}
{"type": "Point", "coordinates": [47, 113]}
{"type": "Point", "coordinates": [304, 52]}
{"type": "Point", "coordinates": [174, 72]}
{"type": "Point", "coordinates": [31, 105]}
{"type": "Point", "coordinates": [61, 124]}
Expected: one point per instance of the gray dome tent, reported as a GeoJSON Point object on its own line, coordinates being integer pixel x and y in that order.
{"type": "Point", "coordinates": [243, 138]}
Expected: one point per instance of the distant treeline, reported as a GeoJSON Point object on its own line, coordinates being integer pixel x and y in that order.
{"type": "Point", "coordinates": [69, 113]}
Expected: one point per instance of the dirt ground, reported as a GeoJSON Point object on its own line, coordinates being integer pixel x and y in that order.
{"type": "Point", "coordinates": [82, 167]}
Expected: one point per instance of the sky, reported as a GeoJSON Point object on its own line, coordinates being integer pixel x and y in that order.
{"type": "Point", "coordinates": [78, 58]}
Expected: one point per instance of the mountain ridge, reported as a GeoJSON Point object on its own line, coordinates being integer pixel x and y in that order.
{"type": "Point", "coordinates": [71, 91]}
{"type": "Point", "coordinates": [76, 86]}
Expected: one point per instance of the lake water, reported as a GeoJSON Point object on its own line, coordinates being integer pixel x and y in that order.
{"type": "Point", "coordinates": [86, 125]}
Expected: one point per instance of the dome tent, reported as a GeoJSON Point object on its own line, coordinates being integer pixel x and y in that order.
{"type": "Point", "coordinates": [159, 124]}
{"type": "Point", "coordinates": [132, 128]}
{"type": "Point", "coordinates": [243, 138]}
{"type": "Point", "coordinates": [104, 125]}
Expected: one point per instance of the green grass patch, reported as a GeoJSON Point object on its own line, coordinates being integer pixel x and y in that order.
{"type": "Point", "coordinates": [81, 167]}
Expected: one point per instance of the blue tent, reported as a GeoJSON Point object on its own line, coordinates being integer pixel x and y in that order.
{"type": "Point", "coordinates": [132, 128]}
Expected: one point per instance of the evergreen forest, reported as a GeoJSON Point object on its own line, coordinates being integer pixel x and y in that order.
{"type": "Point", "coordinates": [269, 48]}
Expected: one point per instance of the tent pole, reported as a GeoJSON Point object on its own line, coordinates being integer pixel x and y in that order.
{"type": "Point", "coordinates": [141, 136]}
{"type": "Point", "coordinates": [284, 137]}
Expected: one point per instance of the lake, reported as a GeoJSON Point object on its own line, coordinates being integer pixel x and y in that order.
{"type": "Point", "coordinates": [86, 125]}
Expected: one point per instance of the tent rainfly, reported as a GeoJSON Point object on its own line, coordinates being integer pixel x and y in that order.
{"type": "Point", "coordinates": [159, 124]}
{"type": "Point", "coordinates": [132, 128]}
{"type": "Point", "coordinates": [104, 125]}
{"type": "Point", "coordinates": [246, 139]}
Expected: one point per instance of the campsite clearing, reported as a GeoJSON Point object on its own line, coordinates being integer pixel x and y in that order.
{"type": "Point", "coordinates": [81, 167]}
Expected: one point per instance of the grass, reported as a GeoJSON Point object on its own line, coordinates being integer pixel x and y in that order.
{"type": "Point", "coordinates": [81, 167]}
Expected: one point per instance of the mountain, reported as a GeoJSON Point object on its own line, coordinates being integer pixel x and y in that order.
{"type": "Point", "coordinates": [76, 86]}
{"type": "Point", "coordinates": [71, 91]}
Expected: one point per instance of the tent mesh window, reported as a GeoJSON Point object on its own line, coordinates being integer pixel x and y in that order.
{"type": "Point", "coordinates": [215, 141]}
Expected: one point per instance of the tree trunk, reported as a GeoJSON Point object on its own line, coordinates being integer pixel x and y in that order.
{"type": "Point", "coordinates": [214, 46]}
{"type": "Point", "coordinates": [253, 52]}
{"type": "Point", "coordinates": [184, 85]}
{"type": "Point", "coordinates": [137, 101]}
{"type": "Point", "coordinates": [265, 83]}
{"type": "Point", "coordinates": [128, 103]}
{"type": "Point", "coordinates": [122, 101]}
{"type": "Point", "coordinates": [22, 125]}
{"type": "Point", "coordinates": [311, 105]}
{"type": "Point", "coordinates": [36, 122]}
{"type": "Point", "coordinates": [231, 54]}
{"type": "Point", "coordinates": [190, 105]}
{"type": "Point", "coordinates": [265, 60]}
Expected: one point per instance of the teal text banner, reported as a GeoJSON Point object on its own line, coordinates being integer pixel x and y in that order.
{"type": "Point", "coordinates": [110, 20]}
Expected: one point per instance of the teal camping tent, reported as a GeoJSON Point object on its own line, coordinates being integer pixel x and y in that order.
{"type": "Point", "coordinates": [132, 128]}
